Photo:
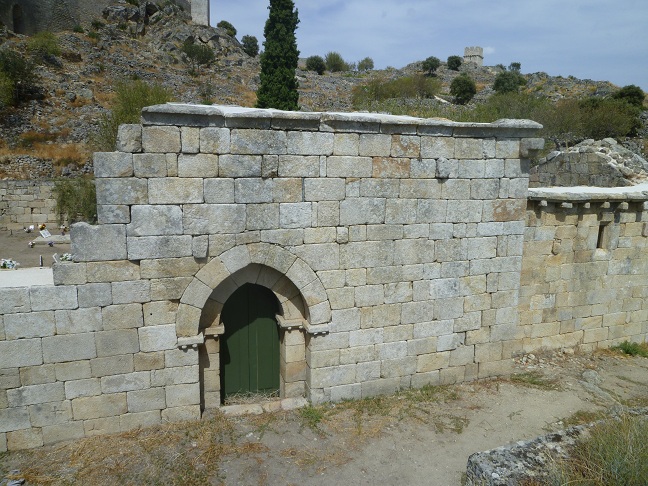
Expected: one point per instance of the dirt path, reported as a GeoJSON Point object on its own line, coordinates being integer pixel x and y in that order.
{"type": "Point", "coordinates": [417, 438]}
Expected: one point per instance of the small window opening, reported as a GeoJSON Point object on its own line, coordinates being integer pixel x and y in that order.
{"type": "Point", "coordinates": [603, 236]}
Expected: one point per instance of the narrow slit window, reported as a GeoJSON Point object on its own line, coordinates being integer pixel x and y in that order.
{"type": "Point", "coordinates": [603, 237]}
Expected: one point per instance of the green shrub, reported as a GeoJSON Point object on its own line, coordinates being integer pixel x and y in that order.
{"type": "Point", "coordinates": [454, 62]}
{"type": "Point", "coordinates": [76, 200]}
{"type": "Point", "coordinates": [430, 65]}
{"type": "Point", "coordinates": [197, 55]}
{"type": "Point", "coordinates": [316, 63]}
{"type": "Point", "coordinates": [379, 89]}
{"type": "Point", "coordinates": [18, 75]}
{"type": "Point", "coordinates": [43, 45]}
{"type": "Point", "coordinates": [632, 349]}
{"type": "Point", "coordinates": [6, 91]}
{"type": "Point", "coordinates": [603, 118]}
{"type": "Point", "coordinates": [366, 64]}
{"type": "Point", "coordinates": [97, 24]}
{"type": "Point", "coordinates": [515, 67]}
{"type": "Point", "coordinates": [131, 97]}
{"type": "Point", "coordinates": [632, 94]}
{"type": "Point", "coordinates": [133, 2]}
{"type": "Point", "coordinates": [463, 89]}
{"type": "Point", "coordinates": [335, 63]}
{"type": "Point", "coordinates": [508, 82]}
{"type": "Point", "coordinates": [229, 28]}
{"type": "Point", "coordinates": [78, 28]}
{"type": "Point", "coordinates": [250, 45]}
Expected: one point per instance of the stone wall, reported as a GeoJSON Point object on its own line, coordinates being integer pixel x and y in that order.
{"type": "Point", "coordinates": [32, 16]}
{"type": "Point", "coordinates": [393, 245]}
{"type": "Point", "coordinates": [23, 203]}
{"type": "Point", "coordinates": [585, 268]}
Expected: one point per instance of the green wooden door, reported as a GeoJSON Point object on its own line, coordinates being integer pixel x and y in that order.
{"type": "Point", "coordinates": [249, 351]}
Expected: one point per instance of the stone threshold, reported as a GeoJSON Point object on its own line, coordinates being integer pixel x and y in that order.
{"type": "Point", "coordinates": [259, 408]}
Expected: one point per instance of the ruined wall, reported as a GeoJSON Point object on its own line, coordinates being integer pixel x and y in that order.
{"type": "Point", "coordinates": [585, 268]}
{"type": "Point", "coordinates": [54, 15]}
{"type": "Point", "coordinates": [23, 203]}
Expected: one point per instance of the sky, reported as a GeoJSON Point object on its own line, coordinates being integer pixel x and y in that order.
{"type": "Point", "coordinates": [602, 40]}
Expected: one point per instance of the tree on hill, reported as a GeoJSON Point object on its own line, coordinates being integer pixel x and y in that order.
{"type": "Point", "coordinates": [430, 65]}
{"type": "Point", "coordinates": [454, 62]}
{"type": "Point", "coordinates": [278, 87]}
{"type": "Point", "coordinates": [316, 63]}
{"type": "Point", "coordinates": [250, 45]}
{"type": "Point", "coordinates": [508, 82]}
{"type": "Point", "coordinates": [366, 64]}
{"type": "Point", "coordinates": [632, 94]}
{"type": "Point", "coordinates": [229, 28]}
{"type": "Point", "coordinates": [463, 88]}
{"type": "Point", "coordinates": [335, 63]}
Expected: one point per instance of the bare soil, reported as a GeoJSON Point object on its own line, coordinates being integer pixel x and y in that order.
{"type": "Point", "coordinates": [414, 437]}
{"type": "Point", "coordinates": [15, 245]}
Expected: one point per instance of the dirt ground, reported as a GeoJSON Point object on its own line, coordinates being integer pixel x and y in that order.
{"type": "Point", "coordinates": [414, 437]}
{"type": "Point", "coordinates": [15, 245]}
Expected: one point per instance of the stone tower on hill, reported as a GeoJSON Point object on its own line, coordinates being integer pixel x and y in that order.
{"type": "Point", "coordinates": [31, 16]}
{"type": "Point", "coordinates": [474, 55]}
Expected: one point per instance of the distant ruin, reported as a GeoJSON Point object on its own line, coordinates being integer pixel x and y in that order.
{"type": "Point", "coordinates": [31, 16]}
{"type": "Point", "coordinates": [474, 55]}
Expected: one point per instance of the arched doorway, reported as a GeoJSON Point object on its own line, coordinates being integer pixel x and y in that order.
{"type": "Point", "coordinates": [18, 19]}
{"type": "Point", "coordinates": [249, 355]}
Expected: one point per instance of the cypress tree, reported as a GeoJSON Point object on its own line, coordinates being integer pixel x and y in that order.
{"type": "Point", "coordinates": [278, 88]}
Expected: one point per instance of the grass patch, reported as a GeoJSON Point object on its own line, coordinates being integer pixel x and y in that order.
{"type": "Point", "coordinates": [616, 452]}
{"type": "Point", "coordinates": [582, 417]}
{"type": "Point", "coordinates": [76, 200]}
{"type": "Point", "coordinates": [311, 416]}
{"type": "Point", "coordinates": [534, 379]}
{"type": "Point", "coordinates": [632, 349]}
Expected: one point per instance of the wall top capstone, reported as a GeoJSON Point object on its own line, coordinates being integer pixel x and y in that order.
{"type": "Point", "coordinates": [182, 114]}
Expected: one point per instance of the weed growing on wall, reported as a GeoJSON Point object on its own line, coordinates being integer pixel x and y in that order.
{"type": "Point", "coordinates": [131, 97]}
{"type": "Point", "coordinates": [76, 200]}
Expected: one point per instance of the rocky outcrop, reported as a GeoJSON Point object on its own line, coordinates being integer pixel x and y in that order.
{"type": "Point", "coordinates": [603, 163]}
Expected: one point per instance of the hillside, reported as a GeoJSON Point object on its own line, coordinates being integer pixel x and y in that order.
{"type": "Point", "coordinates": [51, 133]}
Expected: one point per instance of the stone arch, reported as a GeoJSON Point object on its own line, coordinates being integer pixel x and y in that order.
{"type": "Point", "coordinates": [272, 266]}
{"type": "Point", "coordinates": [303, 302]}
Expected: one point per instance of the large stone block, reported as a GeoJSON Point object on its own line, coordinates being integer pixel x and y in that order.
{"type": "Point", "coordinates": [98, 243]}
{"type": "Point", "coordinates": [298, 166]}
{"type": "Point", "coordinates": [101, 406]}
{"type": "Point", "coordinates": [71, 347]}
{"type": "Point", "coordinates": [198, 165]}
{"type": "Point", "coordinates": [175, 376]}
{"type": "Point", "coordinates": [112, 271]}
{"type": "Point", "coordinates": [349, 166]}
{"type": "Point", "coordinates": [78, 321]}
{"type": "Point", "coordinates": [23, 352]}
{"type": "Point", "coordinates": [161, 139]}
{"type": "Point", "coordinates": [51, 298]}
{"type": "Point", "coordinates": [146, 400]}
{"type": "Point", "coordinates": [138, 380]}
{"type": "Point", "coordinates": [362, 210]}
{"type": "Point", "coordinates": [131, 291]}
{"type": "Point", "coordinates": [174, 190]}
{"type": "Point", "coordinates": [258, 142]}
{"type": "Point", "coordinates": [30, 395]}
{"type": "Point", "coordinates": [200, 219]}
{"type": "Point", "coordinates": [14, 300]}
{"type": "Point", "coordinates": [113, 164]}
{"type": "Point", "coordinates": [150, 165]}
{"type": "Point", "coordinates": [122, 191]}
{"type": "Point", "coordinates": [169, 267]}
{"type": "Point", "coordinates": [149, 247]}
{"type": "Point", "coordinates": [69, 273]}
{"type": "Point", "coordinates": [310, 143]}
{"type": "Point", "coordinates": [89, 387]}
{"type": "Point", "coordinates": [219, 191]}
{"type": "Point", "coordinates": [155, 221]}
{"type": "Point", "coordinates": [112, 343]}
{"type": "Point", "coordinates": [30, 325]}
{"type": "Point", "coordinates": [112, 365]}
{"type": "Point", "coordinates": [124, 316]}
{"type": "Point", "coordinates": [214, 140]}
{"type": "Point", "coordinates": [183, 395]}
{"type": "Point", "coordinates": [295, 215]}
{"type": "Point", "coordinates": [129, 138]}
{"type": "Point", "coordinates": [157, 338]}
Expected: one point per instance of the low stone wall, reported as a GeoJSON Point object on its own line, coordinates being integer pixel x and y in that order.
{"type": "Point", "coordinates": [585, 268]}
{"type": "Point", "coordinates": [23, 203]}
